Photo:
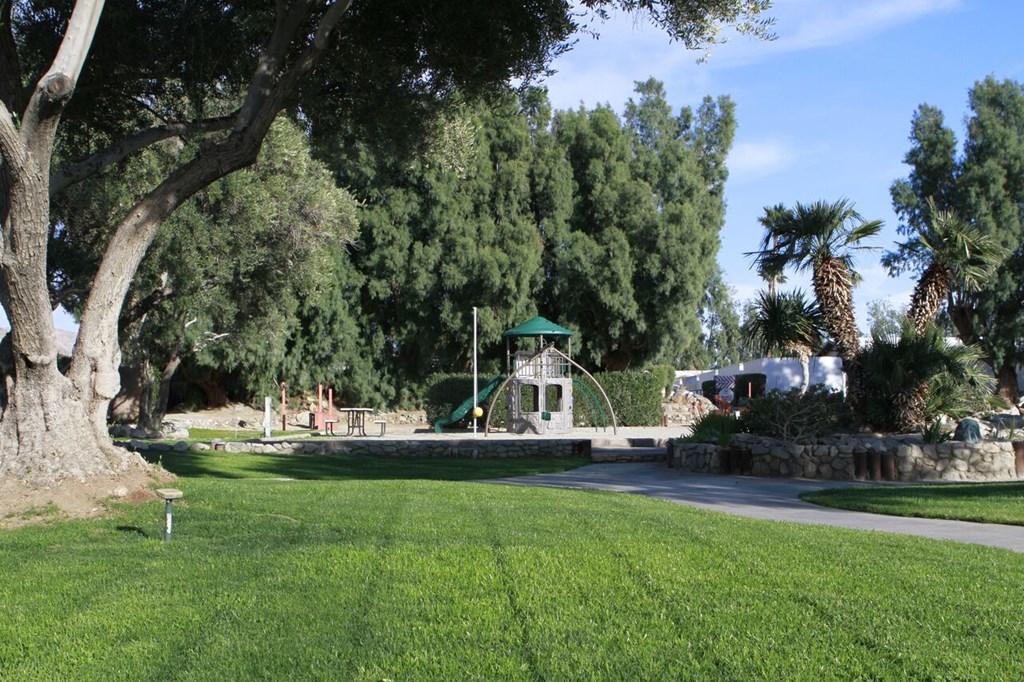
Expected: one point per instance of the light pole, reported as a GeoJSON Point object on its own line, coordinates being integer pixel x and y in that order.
{"type": "Point", "coordinates": [476, 407]}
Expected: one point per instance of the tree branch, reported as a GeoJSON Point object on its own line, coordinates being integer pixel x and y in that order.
{"type": "Point", "coordinates": [54, 89]}
{"type": "Point", "coordinates": [11, 92]}
{"type": "Point", "coordinates": [207, 339]}
{"type": "Point", "coordinates": [77, 39]}
{"type": "Point", "coordinates": [141, 309]}
{"type": "Point", "coordinates": [136, 231]}
{"type": "Point", "coordinates": [116, 152]}
{"type": "Point", "coordinates": [289, 18]}
{"type": "Point", "coordinates": [11, 148]}
{"type": "Point", "coordinates": [13, 163]}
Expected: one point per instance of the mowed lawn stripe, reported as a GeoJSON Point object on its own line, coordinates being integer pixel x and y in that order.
{"type": "Point", "coordinates": [392, 579]}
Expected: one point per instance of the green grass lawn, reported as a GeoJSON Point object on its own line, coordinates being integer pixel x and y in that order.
{"type": "Point", "coordinates": [987, 502]}
{"type": "Point", "coordinates": [365, 574]}
{"type": "Point", "coordinates": [343, 466]}
{"type": "Point", "coordinates": [196, 435]}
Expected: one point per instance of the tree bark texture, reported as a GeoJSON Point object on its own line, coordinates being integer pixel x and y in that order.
{"type": "Point", "coordinates": [159, 410]}
{"type": "Point", "coordinates": [45, 430]}
{"type": "Point", "coordinates": [1006, 382]}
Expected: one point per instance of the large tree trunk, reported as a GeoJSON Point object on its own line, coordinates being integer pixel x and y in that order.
{"type": "Point", "coordinates": [160, 409]}
{"type": "Point", "coordinates": [46, 434]}
{"type": "Point", "coordinates": [1006, 382]}
{"type": "Point", "coordinates": [127, 405]}
{"type": "Point", "coordinates": [47, 427]}
{"type": "Point", "coordinates": [211, 383]}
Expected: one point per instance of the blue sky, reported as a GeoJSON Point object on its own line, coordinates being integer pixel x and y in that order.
{"type": "Point", "coordinates": [823, 112]}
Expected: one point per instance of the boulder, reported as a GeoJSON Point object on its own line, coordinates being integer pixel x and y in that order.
{"type": "Point", "coordinates": [173, 430]}
{"type": "Point", "coordinates": [968, 431]}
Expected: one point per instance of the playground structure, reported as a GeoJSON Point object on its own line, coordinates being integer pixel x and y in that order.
{"type": "Point", "coordinates": [540, 383]}
{"type": "Point", "coordinates": [323, 420]}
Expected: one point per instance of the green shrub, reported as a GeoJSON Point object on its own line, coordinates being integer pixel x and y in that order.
{"type": "Point", "coordinates": [795, 416]}
{"type": "Point", "coordinates": [934, 432]}
{"type": "Point", "coordinates": [444, 393]}
{"type": "Point", "coordinates": [957, 399]}
{"type": "Point", "coordinates": [716, 427]}
{"type": "Point", "coordinates": [666, 376]}
{"type": "Point", "coordinates": [635, 397]}
{"type": "Point", "coordinates": [914, 378]}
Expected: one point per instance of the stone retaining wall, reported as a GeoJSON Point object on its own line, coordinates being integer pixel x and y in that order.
{"type": "Point", "coordinates": [392, 448]}
{"type": "Point", "coordinates": [845, 458]}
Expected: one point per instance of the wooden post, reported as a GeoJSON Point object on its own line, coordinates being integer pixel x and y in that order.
{"type": "Point", "coordinates": [318, 420]}
{"type": "Point", "coordinates": [284, 406]}
{"type": "Point", "coordinates": [267, 419]}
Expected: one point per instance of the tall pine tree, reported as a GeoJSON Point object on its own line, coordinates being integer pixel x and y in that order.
{"type": "Point", "coordinates": [985, 186]}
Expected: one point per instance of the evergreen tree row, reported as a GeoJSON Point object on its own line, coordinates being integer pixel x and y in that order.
{"type": "Point", "coordinates": [605, 224]}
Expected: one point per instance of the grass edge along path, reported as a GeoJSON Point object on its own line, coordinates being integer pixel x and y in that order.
{"type": "Point", "coordinates": [981, 502]}
{"type": "Point", "coordinates": [365, 578]}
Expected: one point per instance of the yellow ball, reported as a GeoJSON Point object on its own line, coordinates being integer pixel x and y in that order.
{"type": "Point", "coordinates": [478, 412]}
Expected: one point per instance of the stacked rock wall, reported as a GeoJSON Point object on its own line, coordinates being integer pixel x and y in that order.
{"type": "Point", "coordinates": [845, 458]}
{"type": "Point", "coordinates": [392, 448]}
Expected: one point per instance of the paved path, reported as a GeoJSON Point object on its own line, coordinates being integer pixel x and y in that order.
{"type": "Point", "coordinates": [775, 499]}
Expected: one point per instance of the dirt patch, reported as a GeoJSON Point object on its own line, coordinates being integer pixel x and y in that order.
{"type": "Point", "coordinates": [21, 505]}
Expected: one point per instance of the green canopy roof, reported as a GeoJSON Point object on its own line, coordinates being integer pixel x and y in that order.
{"type": "Point", "coordinates": [538, 326]}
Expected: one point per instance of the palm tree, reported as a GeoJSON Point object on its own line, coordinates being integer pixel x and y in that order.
{"type": "Point", "coordinates": [820, 237]}
{"type": "Point", "coordinates": [958, 257]}
{"type": "Point", "coordinates": [901, 371]}
{"type": "Point", "coordinates": [786, 323]}
{"type": "Point", "coordinates": [768, 270]}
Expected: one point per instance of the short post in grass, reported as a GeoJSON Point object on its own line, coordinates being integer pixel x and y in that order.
{"type": "Point", "coordinates": [168, 495]}
{"type": "Point", "coordinates": [266, 416]}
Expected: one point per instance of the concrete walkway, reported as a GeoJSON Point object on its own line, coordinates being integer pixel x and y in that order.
{"type": "Point", "coordinates": [774, 499]}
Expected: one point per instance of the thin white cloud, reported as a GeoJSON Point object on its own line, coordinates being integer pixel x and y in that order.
{"type": "Point", "coordinates": [805, 24]}
{"type": "Point", "coordinates": [630, 48]}
{"type": "Point", "coordinates": [811, 24]}
{"type": "Point", "coordinates": [760, 158]}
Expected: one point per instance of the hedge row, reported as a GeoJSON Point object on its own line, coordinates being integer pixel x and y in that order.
{"type": "Point", "coordinates": [636, 396]}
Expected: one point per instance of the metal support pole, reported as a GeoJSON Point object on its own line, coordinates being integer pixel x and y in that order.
{"type": "Point", "coordinates": [168, 519]}
{"type": "Point", "coordinates": [476, 406]}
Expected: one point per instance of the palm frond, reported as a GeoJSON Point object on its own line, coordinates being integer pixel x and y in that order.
{"type": "Point", "coordinates": [785, 322]}
{"type": "Point", "coordinates": [911, 375]}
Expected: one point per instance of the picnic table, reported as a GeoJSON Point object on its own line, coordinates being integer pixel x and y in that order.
{"type": "Point", "coordinates": [356, 419]}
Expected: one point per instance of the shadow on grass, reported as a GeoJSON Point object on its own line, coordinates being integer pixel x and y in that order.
{"type": "Point", "coordinates": [133, 529]}
{"type": "Point", "coordinates": [347, 467]}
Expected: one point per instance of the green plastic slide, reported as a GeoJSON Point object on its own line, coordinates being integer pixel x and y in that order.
{"type": "Point", "coordinates": [465, 406]}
